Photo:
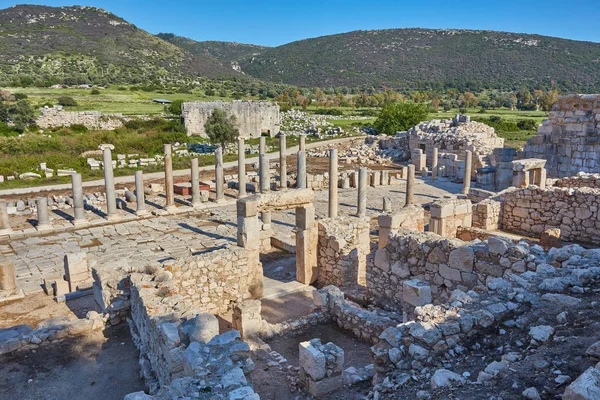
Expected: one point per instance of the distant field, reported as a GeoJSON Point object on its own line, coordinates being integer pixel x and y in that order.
{"type": "Point", "coordinates": [109, 101]}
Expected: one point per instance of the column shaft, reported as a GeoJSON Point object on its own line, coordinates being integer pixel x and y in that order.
{"type": "Point", "coordinates": [301, 171]}
{"type": "Point", "coordinates": [109, 182]}
{"type": "Point", "coordinates": [410, 185]}
{"type": "Point", "coordinates": [333, 183]}
{"type": "Point", "coordinates": [468, 169]}
{"type": "Point", "coordinates": [42, 212]}
{"type": "Point", "coordinates": [169, 189]}
{"type": "Point", "coordinates": [282, 162]}
{"type": "Point", "coordinates": [78, 207]}
{"type": "Point", "coordinates": [195, 181]}
{"type": "Point", "coordinates": [363, 183]}
{"type": "Point", "coordinates": [241, 167]}
{"type": "Point", "coordinates": [219, 172]}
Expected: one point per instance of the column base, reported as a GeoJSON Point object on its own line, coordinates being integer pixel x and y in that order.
{"type": "Point", "coordinates": [114, 217]}
{"type": "Point", "coordinates": [142, 213]}
{"type": "Point", "coordinates": [170, 209]}
{"type": "Point", "coordinates": [43, 228]}
{"type": "Point", "coordinates": [218, 201]}
{"type": "Point", "coordinates": [79, 222]}
{"type": "Point", "coordinates": [5, 232]}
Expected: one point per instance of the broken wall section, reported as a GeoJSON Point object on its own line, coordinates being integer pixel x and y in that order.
{"type": "Point", "coordinates": [344, 244]}
{"type": "Point", "coordinates": [445, 264]}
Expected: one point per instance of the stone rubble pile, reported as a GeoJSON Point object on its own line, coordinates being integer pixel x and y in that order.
{"type": "Point", "coordinates": [371, 150]}
{"type": "Point", "coordinates": [295, 122]}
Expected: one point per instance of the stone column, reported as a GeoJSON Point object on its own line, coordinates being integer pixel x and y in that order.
{"type": "Point", "coordinates": [4, 224]}
{"type": "Point", "coordinates": [434, 163]}
{"type": "Point", "coordinates": [542, 184]}
{"type": "Point", "coordinates": [241, 167]}
{"type": "Point", "coordinates": [195, 180]}
{"type": "Point", "coordinates": [468, 169]}
{"type": "Point", "coordinates": [282, 162]}
{"type": "Point", "coordinates": [307, 237]}
{"type": "Point", "coordinates": [265, 182]}
{"type": "Point", "coordinates": [140, 196]}
{"type": "Point", "coordinates": [363, 183]}
{"type": "Point", "coordinates": [78, 208]}
{"type": "Point", "coordinates": [43, 222]}
{"type": "Point", "coordinates": [219, 178]}
{"type": "Point", "coordinates": [410, 185]}
{"type": "Point", "coordinates": [111, 197]}
{"type": "Point", "coordinates": [333, 183]}
{"type": "Point", "coordinates": [169, 189]}
{"type": "Point", "coordinates": [301, 171]}
{"type": "Point", "coordinates": [387, 204]}
{"type": "Point", "coordinates": [302, 145]}
{"type": "Point", "coordinates": [8, 278]}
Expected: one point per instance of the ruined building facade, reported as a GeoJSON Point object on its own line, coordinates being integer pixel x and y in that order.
{"type": "Point", "coordinates": [253, 118]}
{"type": "Point", "coordinates": [570, 138]}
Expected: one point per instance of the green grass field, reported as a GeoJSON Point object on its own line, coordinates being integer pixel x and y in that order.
{"type": "Point", "coordinates": [110, 100]}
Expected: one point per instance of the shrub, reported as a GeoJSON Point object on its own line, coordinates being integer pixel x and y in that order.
{"type": "Point", "coordinates": [66, 101]}
{"type": "Point", "coordinates": [329, 111]}
{"type": "Point", "coordinates": [220, 128]}
{"type": "Point", "coordinates": [400, 116]}
{"type": "Point", "coordinates": [209, 92]}
{"type": "Point", "coordinates": [95, 92]}
{"type": "Point", "coordinates": [78, 128]}
{"type": "Point", "coordinates": [20, 96]}
{"type": "Point", "coordinates": [175, 107]}
{"type": "Point", "coordinates": [526, 124]}
{"type": "Point", "coordinates": [462, 110]}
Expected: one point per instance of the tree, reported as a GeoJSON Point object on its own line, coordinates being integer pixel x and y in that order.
{"type": "Point", "coordinates": [221, 128]}
{"type": "Point", "coordinates": [396, 117]}
{"type": "Point", "coordinates": [66, 101]}
{"type": "Point", "coordinates": [469, 99]}
{"type": "Point", "coordinates": [175, 107]}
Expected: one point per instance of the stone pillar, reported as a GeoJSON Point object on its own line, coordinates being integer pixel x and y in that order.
{"type": "Point", "coordinates": [78, 208]}
{"type": "Point", "coordinates": [387, 204]}
{"type": "Point", "coordinates": [387, 223]}
{"type": "Point", "coordinates": [4, 224]}
{"type": "Point", "coordinates": [542, 183]}
{"type": "Point", "coordinates": [302, 145]}
{"type": "Point", "coordinates": [434, 163]}
{"type": "Point", "coordinates": [307, 238]}
{"type": "Point", "coordinates": [410, 185]}
{"type": "Point", "coordinates": [363, 183]}
{"type": "Point", "coordinates": [241, 167]}
{"type": "Point", "coordinates": [246, 318]}
{"type": "Point", "coordinates": [140, 196]}
{"type": "Point", "coordinates": [43, 222]}
{"type": "Point", "coordinates": [468, 170]}
{"type": "Point", "coordinates": [248, 229]}
{"type": "Point", "coordinates": [333, 183]}
{"type": "Point", "coordinates": [8, 278]}
{"type": "Point", "coordinates": [169, 189]}
{"type": "Point", "coordinates": [263, 163]}
{"type": "Point", "coordinates": [301, 171]}
{"type": "Point", "coordinates": [282, 162]}
{"type": "Point", "coordinates": [195, 180]}
{"type": "Point", "coordinates": [219, 178]}
{"type": "Point", "coordinates": [111, 197]}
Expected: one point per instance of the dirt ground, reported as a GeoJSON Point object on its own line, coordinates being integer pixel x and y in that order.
{"type": "Point", "coordinates": [271, 382]}
{"type": "Point", "coordinates": [95, 366]}
{"type": "Point", "coordinates": [37, 307]}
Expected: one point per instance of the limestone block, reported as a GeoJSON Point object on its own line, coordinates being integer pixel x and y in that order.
{"type": "Point", "coordinates": [325, 386]}
{"type": "Point", "coordinates": [462, 259]}
{"type": "Point", "coordinates": [246, 318]}
{"type": "Point", "coordinates": [312, 361]}
{"type": "Point", "coordinates": [416, 292]}
{"type": "Point", "coordinates": [203, 328]}
{"type": "Point", "coordinates": [586, 387]}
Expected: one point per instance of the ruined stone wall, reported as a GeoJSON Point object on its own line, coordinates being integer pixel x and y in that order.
{"type": "Point", "coordinates": [486, 214]}
{"type": "Point", "coordinates": [453, 137]}
{"type": "Point", "coordinates": [570, 138]}
{"type": "Point", "coordinates": [532, 210]}
{"type": "Point", "coordinates": [252, 117]}
{"type": "Point", "coordinates": [94, 120]}
{"type": "Point", "coordinates": [213, 281]}
{"type": "Point", "coordinates": [448, 215]}
{"type": "Point", "coordinates": [343, 247]}
{"type": "Point", "coordinates": [580, 180]}
{"type": "Point", "coordinates": [446, 264]}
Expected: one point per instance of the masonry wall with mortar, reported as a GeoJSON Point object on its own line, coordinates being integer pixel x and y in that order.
{"type": "Point", "coordinates": [252, 117]}
{"type": "Point", "coordinates": [570, 138]}
{"type": "Point", "coordinates": [446, 264]}
{"type": "Point", "coordinates": [343, 247]}
{"type": "Point", "coordinates": [56, 116]}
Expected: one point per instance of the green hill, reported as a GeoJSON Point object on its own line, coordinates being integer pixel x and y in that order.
{"type": "Point", "coordinates": [227, 52]}
{"type": "Point", "coordinates": [89, 45]}
{"type": "Point", "coordinates": [424, 58]}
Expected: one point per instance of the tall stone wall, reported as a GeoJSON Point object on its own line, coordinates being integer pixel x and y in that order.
{"type": "Point", "coordinates": [343, 247]}
{"type": "Point", "coordinates": [533, 210]}
{"type": "Point", "coordinates": [252, 117]}
{"type": "Point", "coordinates": [580, 180]}
{"type": "Point", "coordinates": [570, 138]}
{"type": "Point", "coordinates": [94, 120]}
{"type": "Point", "coordinates": [214, 281]}
{"type": "Point", "coordinates": [445, 264]}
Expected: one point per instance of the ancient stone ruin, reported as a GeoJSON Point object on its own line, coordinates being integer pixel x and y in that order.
{"type": "Point", "coordinates": [569, 140]}
{"type": "Point", "coordinates": [53, 117]}
{"type": "Point", "coordinates": [290, 276]}
{"type": "Point", "coordinates": [253, 118]}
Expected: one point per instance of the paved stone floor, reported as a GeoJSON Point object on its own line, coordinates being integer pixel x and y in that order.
{"type": "Point", "coordinates": [171, 236]}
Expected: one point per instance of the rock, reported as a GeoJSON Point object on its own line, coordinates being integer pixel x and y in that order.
{"type": "Point", "coordinates": [593, 351]}
{"type": "Point", "coordinates": [224, 338]}
{"type": "Point", "coordinates": [497, 245]}
{"type": "Point", "coordinates": [444, 378]}
{"type": "Point", "coordinates": [235, 378]}
{"type": "Point", "coordinates": [586, 387]}
{"type": "Point", "coordinates": [531, 394]}
{"type": "Point", "coordinates": [561, 299]}
{"type": "Point", "coordinates": [462, 259]}
{"type": "Point", "coordinates": [561, 318]}
{"type": "Point", "coordinates": [541, 333]}
{"type": "Point", "coordinates": [498, 284]}
{"type": "Point", "coordinates": [202, 328]}
{"type": "Point", "coordinates": [138, 396]}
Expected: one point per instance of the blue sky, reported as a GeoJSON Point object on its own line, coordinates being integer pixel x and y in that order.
{"type": "Point", "coordinates": [273, 23]}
